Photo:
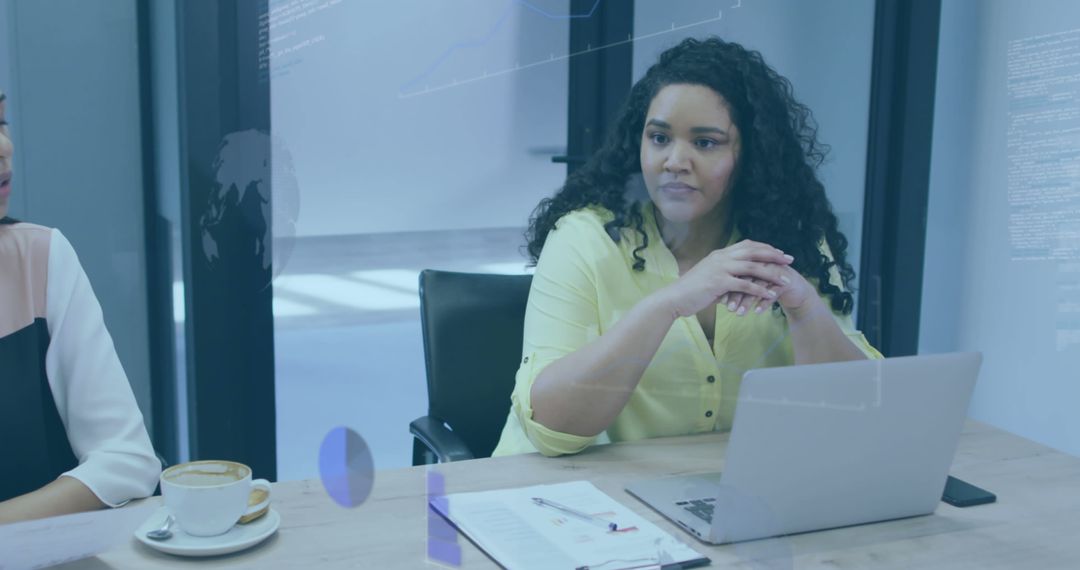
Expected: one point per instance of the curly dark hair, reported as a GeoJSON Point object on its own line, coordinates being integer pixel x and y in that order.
{"type": "Point", "coordinates": [775, 191]}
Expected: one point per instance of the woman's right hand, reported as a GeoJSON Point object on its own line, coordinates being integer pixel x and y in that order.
{"type": "Point", "coordinates": [728, 270]}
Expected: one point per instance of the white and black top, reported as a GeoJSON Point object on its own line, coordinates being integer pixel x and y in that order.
{"type": "Point", "coordinates": [66, 408]}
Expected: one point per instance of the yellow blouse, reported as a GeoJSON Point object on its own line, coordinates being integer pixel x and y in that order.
{"type": "Point", "coordinates": [584, 283]}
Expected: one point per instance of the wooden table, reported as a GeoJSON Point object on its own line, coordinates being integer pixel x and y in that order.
{"type": "Point", "coordinates": [1034, 524]}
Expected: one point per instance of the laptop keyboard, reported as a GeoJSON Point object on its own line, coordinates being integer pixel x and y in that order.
{"type": "Point", "coordinates": [701, 508]}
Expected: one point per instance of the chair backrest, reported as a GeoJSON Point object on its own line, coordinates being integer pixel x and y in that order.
{"type": "Point", "coordinates": [472, 326]}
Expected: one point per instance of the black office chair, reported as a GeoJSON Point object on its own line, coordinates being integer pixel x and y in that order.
{"type": "Point", "coordinates": [472, 325]}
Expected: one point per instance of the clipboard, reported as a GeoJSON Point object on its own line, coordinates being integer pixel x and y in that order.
{"type": "Point", "coordinates": [519, 534]}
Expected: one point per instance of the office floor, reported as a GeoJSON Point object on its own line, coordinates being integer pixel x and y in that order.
{"type": "Point", "coordinates": [348, 348]}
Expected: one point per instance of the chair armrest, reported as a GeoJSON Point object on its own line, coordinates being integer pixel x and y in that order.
{"type": "Point", "coordinates": [445, 444]}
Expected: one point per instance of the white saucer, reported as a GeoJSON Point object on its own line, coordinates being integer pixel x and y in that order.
{"type": "Point", "coordinates": [238, 538]}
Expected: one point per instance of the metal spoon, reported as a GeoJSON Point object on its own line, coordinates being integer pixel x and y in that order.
{"type": "Point", "coordinates": [162, 533]}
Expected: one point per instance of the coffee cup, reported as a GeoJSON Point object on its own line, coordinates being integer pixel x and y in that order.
{"type": "Point", "coordinates": [207, 497]}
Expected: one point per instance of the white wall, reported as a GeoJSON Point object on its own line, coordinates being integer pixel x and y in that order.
{"type": "Point", "coordinates": [470, 156]}
{"type": "Point", "coordinates": [980, 292]}
{"type": "Point", "coordinates": [823, 47]}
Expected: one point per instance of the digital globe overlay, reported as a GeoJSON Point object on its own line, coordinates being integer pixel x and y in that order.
{"type": "Point", "coordinates": [254, 185]}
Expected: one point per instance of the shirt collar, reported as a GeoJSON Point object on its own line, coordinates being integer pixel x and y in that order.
{"type": "Point", "coordinates": [659, 249]}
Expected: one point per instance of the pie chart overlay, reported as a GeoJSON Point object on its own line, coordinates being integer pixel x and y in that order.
{"type": "Point", "coordinates": [345, 467]}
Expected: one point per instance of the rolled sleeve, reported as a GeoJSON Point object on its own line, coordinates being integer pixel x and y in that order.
{"type": "Point", "coordinates": [100, 415]}
{"type": "Point", "coordinates": [561, 316]}
{"type": "Point", "coordinates": [547, 441]}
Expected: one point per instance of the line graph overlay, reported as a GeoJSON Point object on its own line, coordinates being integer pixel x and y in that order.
{"type": "Point", "coordinates": [445, 55]}
{"type": "Point", "coordinates": [405, 94]}
{"type": "Point", "coordinates": [863, 406]}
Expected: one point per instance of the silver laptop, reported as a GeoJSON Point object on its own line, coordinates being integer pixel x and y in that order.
{"type": "Point", "coordinates": [827, 445]}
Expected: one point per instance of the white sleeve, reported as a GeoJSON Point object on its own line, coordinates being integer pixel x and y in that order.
{"type": "Point", "coordinates": [91, 390]}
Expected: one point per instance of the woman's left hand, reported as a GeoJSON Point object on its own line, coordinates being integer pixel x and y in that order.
{"type": "Point", "coordinates": [793, 297]}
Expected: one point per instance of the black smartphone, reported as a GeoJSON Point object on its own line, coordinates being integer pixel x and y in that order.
{"type": "Point", "coordinates": [960, 493]}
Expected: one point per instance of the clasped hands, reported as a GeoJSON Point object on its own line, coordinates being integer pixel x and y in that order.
{"type": "Point", "coordinates": [744, 277]}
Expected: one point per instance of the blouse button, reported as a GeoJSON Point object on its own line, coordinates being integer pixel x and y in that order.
{"type": "Point", "coordinates": [711, 379]}
{"type": "Point", "coordinates": [708, 414]}
{"type": "Point", "coordinates": [526, 361]}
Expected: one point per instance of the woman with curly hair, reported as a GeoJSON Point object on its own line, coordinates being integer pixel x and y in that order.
{"type": "Point", "coordinates": [647, 306]}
